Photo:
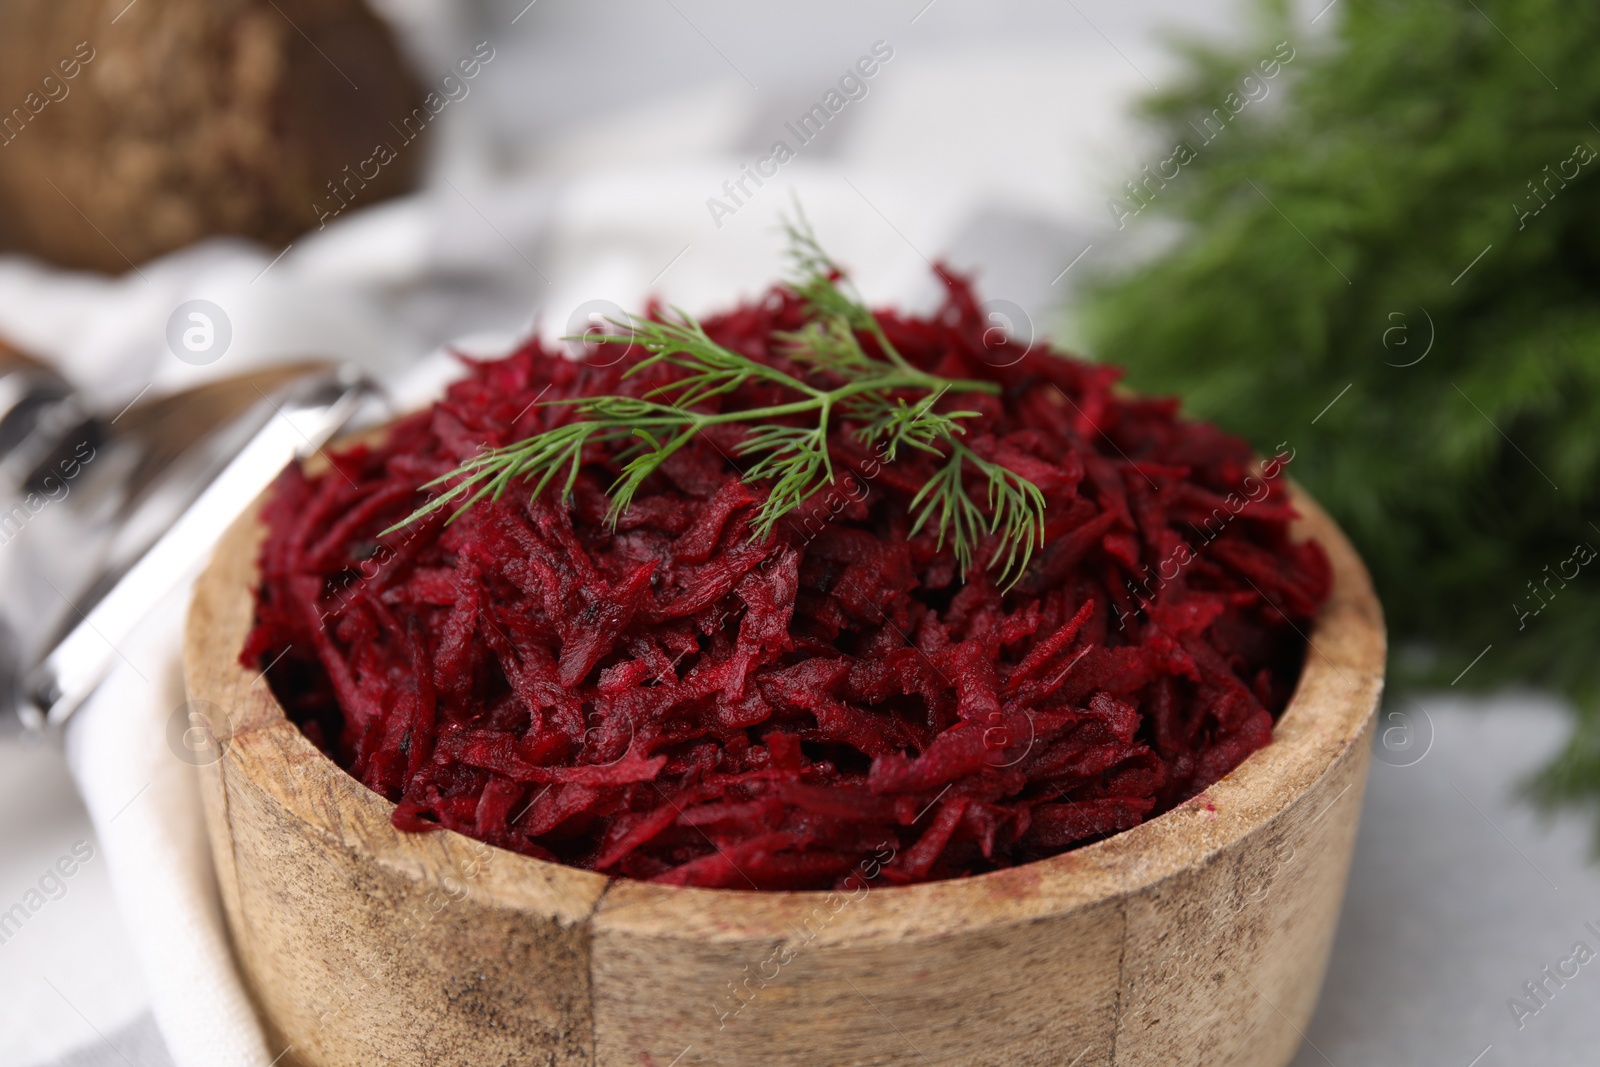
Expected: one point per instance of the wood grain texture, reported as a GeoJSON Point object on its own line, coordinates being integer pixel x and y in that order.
{"type": "Point", "coordinates": [1199, 937]}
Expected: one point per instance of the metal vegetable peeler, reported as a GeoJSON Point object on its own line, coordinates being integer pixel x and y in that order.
{"type": "Point", "coordinates": [102, 515]}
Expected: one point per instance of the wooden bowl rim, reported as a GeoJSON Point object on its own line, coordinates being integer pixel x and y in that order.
{"type": "Point", "coordinates": [1329, 714]}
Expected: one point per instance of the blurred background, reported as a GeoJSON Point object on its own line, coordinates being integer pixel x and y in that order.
{"type": "Point", "coordinates": [1368, 229]}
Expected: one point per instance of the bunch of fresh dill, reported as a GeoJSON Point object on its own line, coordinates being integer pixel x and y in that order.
{"type": "Point", "coordinates": [1395, 268]}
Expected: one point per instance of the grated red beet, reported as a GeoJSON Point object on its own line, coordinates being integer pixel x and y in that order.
{"type": "Point", "coordinates": [671, 701]}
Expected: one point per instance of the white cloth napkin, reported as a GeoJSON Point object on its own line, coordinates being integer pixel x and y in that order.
{"type": "Point", "coordinates": [144, 803]}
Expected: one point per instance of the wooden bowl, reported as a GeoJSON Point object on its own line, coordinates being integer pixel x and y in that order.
{"type": "Point", "coordinates": [1198, 937]}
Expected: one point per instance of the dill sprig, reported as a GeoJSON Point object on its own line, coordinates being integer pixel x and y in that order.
{"type": "Point", "coordinates": [870, 394]}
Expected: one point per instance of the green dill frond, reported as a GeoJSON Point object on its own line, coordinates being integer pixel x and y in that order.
{"type": "Point", "coordinates": [829, 344]}
{"type": "Point", "coordinates": [897, 423]}
{"type": "Point", "coordinates": [792, 459]}
{"type": "Point", "coordinates": [1016, 514]}
{"type": "Point", "coordinates": [796, 460]}
{"type": "Point", "coordinates": [817, 279]}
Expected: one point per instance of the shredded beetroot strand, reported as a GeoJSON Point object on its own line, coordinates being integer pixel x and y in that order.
{"type": "Point", "coordinates": [672, 701]}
